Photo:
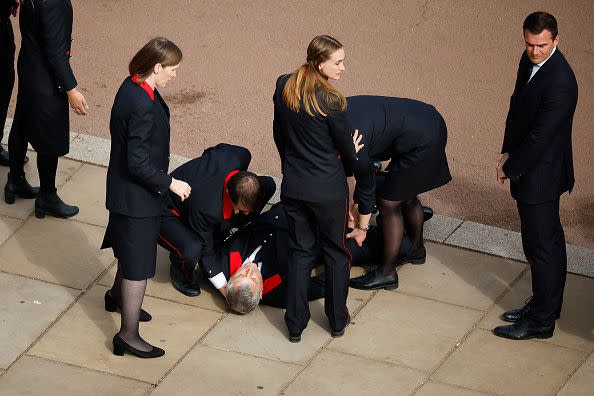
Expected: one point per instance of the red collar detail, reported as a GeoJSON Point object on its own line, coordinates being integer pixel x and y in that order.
{"type": "Point", "coordinates": [145, 86]}
{"type": "Point", "coordinates": [234, 262]}
{"type": "Point", "coordinates": [227, 205]}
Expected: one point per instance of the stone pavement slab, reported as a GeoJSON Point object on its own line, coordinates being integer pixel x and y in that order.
{"type": "Point", "coordinates": [86, 189]}
{"type": "Point", "coordinates": [493, 364]}
{"type": "Point", "coordinates": [263, 332]}
{"type": "Point", "coordinates": [208, 371]}
{"type": "Point", "coordinates": [83, 336]}
{"type": "Point", "coordinates": [22, 208]}
{"type": "Point", "coordinates": [440, 227]}
{"type": "Point", "coordinates": [575, 328]}
{"type": "Point", "coordinates": [406, 330]}
{"type": "Point", "coordinates": [459, 277]}
{"type": "Point", "coordinates": [437, 389]}
{"type": "Point", "coordinates": [581, 382]}
{"type": "Point", "coordinates": [36, 376]}
{"type": "Point", "coordinates": [28, 308]}
{"type": "Point", "coordinates": [160, 287]}
{"type": "Point", "coordinates": [56, 250]}
{"type": "Point", "coordinates": [335, 373]}
{"type": "Point", "coordinates": [8, 226]}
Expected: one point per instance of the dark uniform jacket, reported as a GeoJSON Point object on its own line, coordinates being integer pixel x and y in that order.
{"type": "Point", "coordinates": [46, 36]}
{"type": "Point", "coordinates": [310, 149]}
{"type": "Point", "coordinates": [137, 179]}
{"type": "Point", "coordinates": [538, 131]}
{"type": "Point", "coordinates": [208, 210]}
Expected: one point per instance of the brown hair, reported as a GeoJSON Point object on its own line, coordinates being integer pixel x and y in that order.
{"type": "Point", "coordinates": [157, 50]}
{"type": "Point", "coordinates": [307, 81]}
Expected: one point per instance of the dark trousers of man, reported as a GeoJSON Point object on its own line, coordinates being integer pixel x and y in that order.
{"type": "Point", "coordinates": [316, 227]}
{"type": "Point", "coordinates": [7, 50]}
{"type": "Point", "coordinates": [181, 241]}
{"type": "Point", "coordinates": [543, 241]}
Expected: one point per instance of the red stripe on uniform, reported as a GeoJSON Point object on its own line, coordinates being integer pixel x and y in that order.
{"type": "Point", "coordinates": [183, 267]}
{"type": "Point", "coordinates": [234, 262]}
{"type": "Point", "coordinates": [271, 283]}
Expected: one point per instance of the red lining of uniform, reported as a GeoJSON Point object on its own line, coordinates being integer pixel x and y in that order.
{"type": "Point", "coordinates": [271, 283]}
{"type": "Point", "coordinates": [144, 85]}
{"type": "Point", "coordinates": [175, 212]}
{"type": "Point", "coordinates": [183, 268]}
{"type": "Point", "coordinates": [227, 204]}
{"type": "Point", "coordinates": [234, 262]}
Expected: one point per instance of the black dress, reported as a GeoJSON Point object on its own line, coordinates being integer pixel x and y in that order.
{"type": "Point", "coordinates": [409, 133]}
{"type": "Point", "coordinates": [45, 75]}
{"type": "Point", "coordinates": [7, 49]}
{"type": "Point", "coordinates": [137, 179]}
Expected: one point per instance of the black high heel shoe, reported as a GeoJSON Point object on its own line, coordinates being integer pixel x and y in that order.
{"type": "Point", "coordinates": [120, 346]}
{"type": "Point", "coordinates": [111, 305]}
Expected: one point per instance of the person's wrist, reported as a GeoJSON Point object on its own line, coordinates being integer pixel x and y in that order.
{"type": "Point", "coordinates": [364, 229]}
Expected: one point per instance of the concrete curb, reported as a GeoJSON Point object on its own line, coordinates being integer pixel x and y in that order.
{"type": "Point", "coordinates": [441, 229]}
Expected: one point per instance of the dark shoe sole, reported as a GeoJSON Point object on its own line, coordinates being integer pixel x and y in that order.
{"type": "Point", "coordinates": [540, 336]}
{"type": "Point", "coordinates": [295, 338]}
{"type": "Point", "coordinates": [385, 287]}
{"type": "Point", "coordinates": [185, 292]}
{"type": "Point", "coordinates": [41, 213]}
{"type": "Point", "coordinates": [418, 261]}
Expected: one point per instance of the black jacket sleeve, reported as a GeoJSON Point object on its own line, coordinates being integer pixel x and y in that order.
{"type": "Point", "coordinates": [138, 155]}
{"type": "Point", "coordinates": [362, 167]}
{"type": "Point", "coordinates": [56, 42]}
{"type": "Point", "coordinates": [276, 129]}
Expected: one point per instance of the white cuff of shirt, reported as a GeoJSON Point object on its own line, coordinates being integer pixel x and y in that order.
{"type": "Point", "coordinates": [218, 280]}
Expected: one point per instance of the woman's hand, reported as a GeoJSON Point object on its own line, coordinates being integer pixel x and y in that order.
{"type": "Point", "coordinates": [357, 137]}
{"type": "Point", "coordinates": [358, 235]}
{"type": "Point", "coordinates": [180, 188]}
{"type": "Point", "coordinates": [77, 102]}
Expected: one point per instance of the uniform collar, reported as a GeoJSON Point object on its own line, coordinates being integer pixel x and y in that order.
{"type": "Point", "coordinates": [227, 204]}
{"type": "Point", "coordinates": [144, 85]}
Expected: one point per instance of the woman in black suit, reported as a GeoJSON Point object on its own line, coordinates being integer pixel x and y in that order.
{"type": "Point", "coordinates": [46, 88]}
{"type": "Point", "coordinates": [137, 183]}
{"type": "Point", "coordinates": [311, 134]}
{"type": "Point", "coordinates": [413, 136]}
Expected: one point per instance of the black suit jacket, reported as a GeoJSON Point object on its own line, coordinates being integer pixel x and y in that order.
{"type": "Point", "coordinates": [538, 131]}
{"type": "Point", "coordinates": [310, 149]}
{"type": "Point", "coordinates": [44, 58]}
{"type": "Point", "coordinates": [137, 178]}
{"type": "Point", "coordinates": [203, 210]}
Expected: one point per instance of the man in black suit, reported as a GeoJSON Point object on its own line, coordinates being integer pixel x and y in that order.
{"type": "Point", "coordinates": [255, 260]}
{"type": "Point", "coordinates": [225, 194]}
{"type": "Point", "coordinates": [537, 158]}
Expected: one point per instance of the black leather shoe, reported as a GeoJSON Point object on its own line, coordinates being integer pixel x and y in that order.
{"type": "Point", "coordinates": [524, 330]}
{"type": "Point", "coordinates": [190, 287]}
{"type": "Point", "coordinates": [295, 338]}
{"type": "Point", "coordinates": [416, 257]}
{"type": "Point", "coordinates": [18, 186]}
{"type": "Point", "coordinates": [374, 280]}
{"type": "Point", "coordinates": [111, 305]}
{"type": "Point", "coordinates": [340, 333]}
{"type": "Point", "coordinates": [5, 159]}
{"type": "Point", "coordinates": [515, 315]}
{"type": "Point", "coordinates": [120, 346]}
{"type": "Point", "coordinates": [427, 213]}
{"type": "Point", "coordinates": [53, 205]}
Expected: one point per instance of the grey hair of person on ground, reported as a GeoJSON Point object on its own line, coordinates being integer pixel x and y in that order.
{"type": "Point", "coordinates": [241, 298]}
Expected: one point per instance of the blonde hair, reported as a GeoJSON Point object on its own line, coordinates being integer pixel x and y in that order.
{"type": "Point", "coordinates": [307, 81]}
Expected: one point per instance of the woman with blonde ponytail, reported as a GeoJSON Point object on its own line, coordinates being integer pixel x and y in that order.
{"type": "Point", "coordinates": [312, 136]}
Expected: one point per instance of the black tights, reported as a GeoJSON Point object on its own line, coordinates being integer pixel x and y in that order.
{"type": "Point", "coordinates": [131, 295]}
{"type": "Point", "coordinates": [396, 215]}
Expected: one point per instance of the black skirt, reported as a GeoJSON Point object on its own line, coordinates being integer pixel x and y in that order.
{"type": "Point", "coordinates": [134, 244]}
{"type": "Point", "coordinates": [417, 171]}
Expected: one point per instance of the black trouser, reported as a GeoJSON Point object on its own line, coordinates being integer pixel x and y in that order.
{"type": "Point", "coordinates": [180, 240]}
{"type": "Point", "coordinates": [7, 50]}
{"type": "Point", "coordinates": [47, 165]}
{"type": "Point", "coordinates": [317, 227]}
{"type": "Point", "coordinates": [544, 246]}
